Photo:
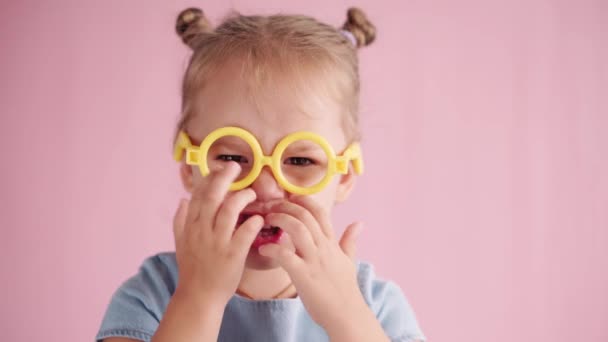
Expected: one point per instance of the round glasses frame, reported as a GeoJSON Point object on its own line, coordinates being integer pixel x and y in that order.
{"type": "Point", "coordinates": [337, 164]}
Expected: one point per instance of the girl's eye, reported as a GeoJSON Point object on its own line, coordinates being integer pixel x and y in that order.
{"type": "Point", "coordinates": [232, 157]}
{"type": "Point", "coordinates": [299, 161]}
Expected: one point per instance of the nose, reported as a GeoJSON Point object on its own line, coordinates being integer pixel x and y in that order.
{"type": "Point", "coordinates": [266, 187]}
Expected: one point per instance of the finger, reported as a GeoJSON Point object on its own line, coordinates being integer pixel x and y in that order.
{"type": "Point", "coordinates": [210, 193]}
{"type": "Point", "coordinates": [179, 220]}
{"type": "Point", "coordinates": [299, 233]}
{"type": "Point", "coordinates": [228, 214]}
{"type": "Point", "coordinates": [246, 233]}
{"type": "Point", "coordinates": [284, 256]}
{"type": "Point", "coordinates": [318, 212]}
{"type": "Point", "coordinates": [348, 242]}
{"type": "Point", "coordinates": [303, 215]}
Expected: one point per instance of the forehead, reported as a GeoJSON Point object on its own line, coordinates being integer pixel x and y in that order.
{"type": "Point", "coordinates": [270, 109]}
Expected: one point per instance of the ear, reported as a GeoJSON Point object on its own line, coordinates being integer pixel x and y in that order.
{"type": "Point", "coordinates": [185, 172]}
{"type": "Point", "coordinates": [346, 185]}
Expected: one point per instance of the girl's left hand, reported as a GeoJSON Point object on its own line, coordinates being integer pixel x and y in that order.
{"type": "Point", "coordinates": [322, 270]}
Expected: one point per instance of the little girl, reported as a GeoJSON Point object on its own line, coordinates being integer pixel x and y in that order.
{"type": "Point", "coordinates": [267, 144]}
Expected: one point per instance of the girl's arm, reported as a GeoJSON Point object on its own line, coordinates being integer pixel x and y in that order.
{"type": "Point", "coordinates": [362, 326]}
{"type": "Point", "coordinates": [210, 256]}
{"type": "Point", "coordinates": [190, 316]}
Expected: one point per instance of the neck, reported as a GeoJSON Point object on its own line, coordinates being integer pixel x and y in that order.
{"type": "Point", "coordinates": [266, 284]}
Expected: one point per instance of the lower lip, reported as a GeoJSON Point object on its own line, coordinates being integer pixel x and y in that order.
{"type": "Point", "coordinates": [262, 240]}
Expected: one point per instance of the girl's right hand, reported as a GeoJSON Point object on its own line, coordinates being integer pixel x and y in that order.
{"type": "Point", "coordinates": [210, 253]}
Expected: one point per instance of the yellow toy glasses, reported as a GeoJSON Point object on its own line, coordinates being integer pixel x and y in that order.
{"type": "Point", "coordinates": [302, 162]}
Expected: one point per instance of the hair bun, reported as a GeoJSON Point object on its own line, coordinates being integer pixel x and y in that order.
{"type": "Point", "coordinates": [358, 24]}
{"type": "Point", "coordinates": [190, 23]}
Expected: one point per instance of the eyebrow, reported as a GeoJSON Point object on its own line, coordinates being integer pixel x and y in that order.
{"type": "Point", "coordinates": [306, 148]}
{"type": "Point", "coordinates": [235, 143]}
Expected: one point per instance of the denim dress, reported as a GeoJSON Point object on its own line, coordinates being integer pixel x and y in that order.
{"type": "Point", "coordinates": [138, 305]}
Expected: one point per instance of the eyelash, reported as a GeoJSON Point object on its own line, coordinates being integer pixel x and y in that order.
{"type": "Point", "coordinates": [308, 161]}
{"type": "Point", "coordinates": [298, 161]}
{"type": "Point", "coordinates": [232, 157]}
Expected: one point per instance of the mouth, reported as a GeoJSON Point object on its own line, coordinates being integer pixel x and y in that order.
{"type": "Point", "coordinates": [268, 233]}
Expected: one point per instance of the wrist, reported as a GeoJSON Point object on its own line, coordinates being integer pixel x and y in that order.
{"type": "Point", "coordinates": [205, 301]}
{"type": "Point", "coordinates": [360, 324]}
{"type": "Point", "coordinates": [190, 316]}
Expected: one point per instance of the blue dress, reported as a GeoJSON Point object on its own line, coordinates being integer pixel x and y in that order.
{"type": "Point", "coordinates": [138, 305]}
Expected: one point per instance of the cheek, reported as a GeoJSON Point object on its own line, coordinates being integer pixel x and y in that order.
{"type": "Point", "coordinates": [196, 175]}
{"type": "Point", "coordinates": [327, 197]}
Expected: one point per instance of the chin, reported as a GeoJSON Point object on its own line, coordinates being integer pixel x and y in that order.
{"type": "Point", "coordinates": [256, 261]}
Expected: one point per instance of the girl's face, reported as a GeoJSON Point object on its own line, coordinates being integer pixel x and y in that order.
{"type": "Point", "coordinates": [225, 101]}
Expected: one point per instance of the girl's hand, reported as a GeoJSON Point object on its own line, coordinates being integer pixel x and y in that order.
{"type": "Point", "coordinates": [322, 270]}
{"type": "Point", "coordinates": [210, 253]}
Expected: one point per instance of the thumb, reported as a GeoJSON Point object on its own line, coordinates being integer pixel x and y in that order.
{"type": "Point", "coordinates": [349, 239]}
{"type": "Point", "coordinates": [179, 220]}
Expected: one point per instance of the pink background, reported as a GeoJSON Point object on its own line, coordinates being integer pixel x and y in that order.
{"type": "Point", "coordinates": [485, 197]}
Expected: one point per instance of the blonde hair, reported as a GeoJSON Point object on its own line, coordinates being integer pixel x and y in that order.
{"type": "Point", "coordinates": [276, 45]}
